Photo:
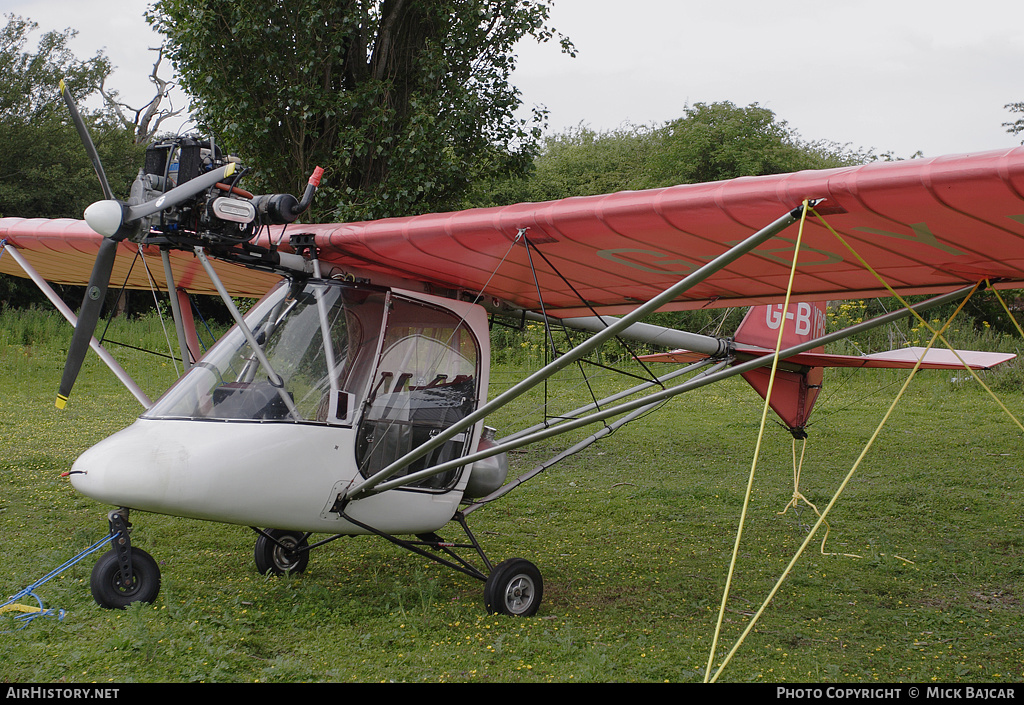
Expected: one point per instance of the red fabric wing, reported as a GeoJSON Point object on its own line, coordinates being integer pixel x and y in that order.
{"type": "Point", "coordinates": [925, 225]}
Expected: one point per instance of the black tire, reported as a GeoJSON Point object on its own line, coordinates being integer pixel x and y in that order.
{"type": "Point", "coordinates": [108, 589]}
{"type": "Point", "coordinates": [514, 588]}
{"type": "Point", "coordinates": [273, 558]}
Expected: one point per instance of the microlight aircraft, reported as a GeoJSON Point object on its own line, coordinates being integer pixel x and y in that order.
{"type": "Point", "coordinates": [352, 399]}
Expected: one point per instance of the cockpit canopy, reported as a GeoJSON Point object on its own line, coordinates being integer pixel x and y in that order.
{"type": "Point", "coordinates": [398, 368]}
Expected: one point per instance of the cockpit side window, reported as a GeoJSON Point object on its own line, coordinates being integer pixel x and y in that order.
{"type": "Point", "coordinates": [425, 381]}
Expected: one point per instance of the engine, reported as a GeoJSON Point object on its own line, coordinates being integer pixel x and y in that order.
{"type": "Point", "coordinates": [222, 216]}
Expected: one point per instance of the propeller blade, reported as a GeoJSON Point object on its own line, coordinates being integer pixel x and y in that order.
{"type": "Point", "coordinates": [179, 194]}
{"type": "Point", "coordinates": [88, 317]}
{"type": "Point", "coordinates": [83, 134]}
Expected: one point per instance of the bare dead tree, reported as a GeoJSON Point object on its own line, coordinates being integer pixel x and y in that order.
{"type": "Point", "coordinates": [145, 121]}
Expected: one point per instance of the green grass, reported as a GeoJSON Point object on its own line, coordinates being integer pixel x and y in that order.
{"type": "Point", "coordinates": [633, 538]}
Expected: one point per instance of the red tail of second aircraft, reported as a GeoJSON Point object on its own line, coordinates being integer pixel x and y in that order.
{"type": "Point", "coordinates": [795, 390]}
{"type": "Point", "coordinates": [798, 379]}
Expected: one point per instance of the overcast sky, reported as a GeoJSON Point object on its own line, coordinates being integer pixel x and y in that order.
{"type": "Point", "coordinates": [888, 75]}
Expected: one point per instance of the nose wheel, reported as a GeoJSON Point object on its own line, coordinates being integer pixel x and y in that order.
{"type": "Point", "coordinates": [124, 575]}
{"type": "Point", "coordinates": [113, 588]}
{"type": "Point", "coordinates": [514, 588]}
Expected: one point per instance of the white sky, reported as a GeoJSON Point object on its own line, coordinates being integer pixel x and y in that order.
{"type": "Point", "coordinates": [888, 75]}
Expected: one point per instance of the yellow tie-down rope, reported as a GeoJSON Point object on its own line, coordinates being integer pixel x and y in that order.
{"type": "Point", "coordinates": [1006, 308]}
{"type": "Point", "coordinates": [16, 607]}
{"type": "Point", "coordinates": [798, 496]}
{"type": "Point", "coordinates": [798, 465]}
{"type": "Point", "coordinates": [757, 449]}
{"type": "Point", "coordinates": [936, 335]}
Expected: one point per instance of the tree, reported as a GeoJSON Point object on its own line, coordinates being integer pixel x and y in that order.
{"type": "Point", "coordinates": [144, 122]}
{"type": "Point", "coordinates": [583, 162]}
{"type": "Point", "coordinates": [403, 102]}
{"type": "Point", "coordinates": [44, 171]}
{"type": "Point", "coordinates": [716, 141]}
{"type": "Point", "coordinates": [710, 142]}
{"type": "Point", "coordinates": [1017, 126]}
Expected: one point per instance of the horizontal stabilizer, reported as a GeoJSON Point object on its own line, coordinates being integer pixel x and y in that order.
{"type": "Point", "coordinates": [938, 358]}
{"type": "Point", "coordinates": [798, 380]}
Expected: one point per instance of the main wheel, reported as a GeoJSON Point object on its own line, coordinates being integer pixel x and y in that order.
{"type": "Point", "coordinates": [108, 587]}
{"type": "Point", "coordinates": [285, 556]}
{"type": "Point", "coordinates": [515, 588]}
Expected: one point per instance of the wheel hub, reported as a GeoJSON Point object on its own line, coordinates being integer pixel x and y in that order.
{"type": "Point", "coordinates": [519, 594]}
{"type": "Point", "coordinates": [284, 555]}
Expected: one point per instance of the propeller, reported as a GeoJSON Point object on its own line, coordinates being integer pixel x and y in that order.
{"type": "Point", "coordinates": [96, 290]}
{"type": "Point", "coordinates": [115, 220]}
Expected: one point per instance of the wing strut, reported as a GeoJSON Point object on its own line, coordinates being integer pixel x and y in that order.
{"type": "Point", "coordinates": [579, 351]}
{"type": "Point", "coordinates": [653, 398]}
{"type": "Point", "coordinates": [607, 429]}
{"type": "Point", "coordinates": [116, 368]}
{"type": "Point", "coordinates": [176, 310]}
{"type": "Point", "coordinates": [547, 326]}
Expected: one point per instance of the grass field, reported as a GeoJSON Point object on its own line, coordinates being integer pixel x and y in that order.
{"type": "Point", "coordinates": [633, 537]}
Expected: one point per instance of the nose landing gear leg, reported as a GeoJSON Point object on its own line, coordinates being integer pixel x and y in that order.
{"type": "Point", "coordinates": [124, 575]}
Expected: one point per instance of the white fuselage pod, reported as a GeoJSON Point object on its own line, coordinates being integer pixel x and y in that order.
{"type": "Point", "coordinates": [271, 440]}
{"type": "Point", "coordinates": [276, 475]}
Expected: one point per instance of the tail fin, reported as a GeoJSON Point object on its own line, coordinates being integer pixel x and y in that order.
{"type": "Point", "coordinates": [796, 387]}
{"type": "Point", "coordinates": [794, 392]}
{"type": "Point", "coordinates": [804, 321]}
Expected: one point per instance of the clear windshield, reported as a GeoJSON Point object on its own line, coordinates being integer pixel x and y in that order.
{"type": "Point", "coordinates": [300, 379]}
